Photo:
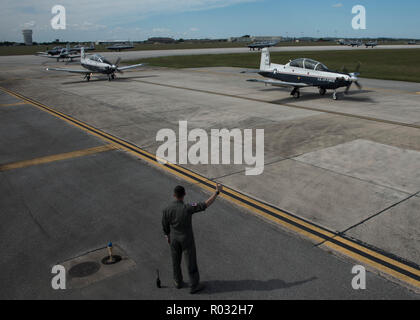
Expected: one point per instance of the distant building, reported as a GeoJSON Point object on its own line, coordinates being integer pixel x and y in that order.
{"type": "Point", "coordinates": [160, 40]}
{"type": "Point", "coordinates": [27, 37]}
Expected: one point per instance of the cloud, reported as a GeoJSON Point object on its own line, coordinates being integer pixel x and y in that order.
{"type": "Point", "coordinates": [337, 5]}
{"type": "Point", "coordinates": [29, 24]}
{"type": "Point", "coordinates": [100, 14]}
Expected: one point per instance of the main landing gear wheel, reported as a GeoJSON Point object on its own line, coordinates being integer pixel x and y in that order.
{"type": "Point", "coordinates": [295, 93]}
{"type": "Point", "coordinates": [322, 91]}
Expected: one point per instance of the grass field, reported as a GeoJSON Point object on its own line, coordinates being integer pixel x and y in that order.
{"type": "Point", "coordinates": [401, 64]}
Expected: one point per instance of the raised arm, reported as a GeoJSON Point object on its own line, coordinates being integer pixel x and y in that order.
{"type": "Point", "coordinates": [209, 202]}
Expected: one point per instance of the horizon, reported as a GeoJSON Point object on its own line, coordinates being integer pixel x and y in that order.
{"type": "Point", "coordinates": [195, 19]}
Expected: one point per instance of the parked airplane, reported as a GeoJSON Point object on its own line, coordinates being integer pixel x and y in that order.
{"type": "Point", "coordinates": [120, 46]}
{"type": "Point", "coordinates": [371, 44]}
{"type": "Point", "coordinates": [302, 73]}
{"type": "Point", "coordinates": [78, 47]}
{"type": "Point", "coordinates": [261, 45]}
{"type": "Point", "coordinates": [412, 42]}
{"type": "Point", "coordinates": [354, 43]}
{"type": "Point", "coordinates": [64, 54]}
{"type": "Point", "coordinates": [97, 64]}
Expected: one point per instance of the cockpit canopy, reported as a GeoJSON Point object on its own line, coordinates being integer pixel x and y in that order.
{"type": "Point", "coordinates": [308, 64]}
{"type": "Point", "coordinates": [99, 58]}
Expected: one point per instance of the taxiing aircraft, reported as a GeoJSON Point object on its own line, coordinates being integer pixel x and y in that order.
{"type": "Point", "coordinates": [97, 64]}
{"type": "Point", "coordinates": [120, 46]}
{"type": "Point", "coordinates": [52, 52]}
{"type": "Point", "coordinates": [302, 73]}
{"type": "Point", "coordinates": [64, 54]}
{"type": "Point", "coordinates": [261, 45]}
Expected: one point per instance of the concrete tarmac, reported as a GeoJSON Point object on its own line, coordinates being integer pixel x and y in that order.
{"type": "Point", "coordinates": [57, 210]}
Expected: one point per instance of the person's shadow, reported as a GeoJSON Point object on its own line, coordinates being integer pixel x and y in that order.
{"type": "Point", "coordinates": [220, 286]}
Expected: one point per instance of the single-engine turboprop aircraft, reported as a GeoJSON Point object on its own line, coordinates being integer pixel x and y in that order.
{"type": "Point", "coordinates": [302, 73]}
{"type": "Point", "coordinates": [97, 64]}
{"type": "Point", "coordinates": [64, 54]}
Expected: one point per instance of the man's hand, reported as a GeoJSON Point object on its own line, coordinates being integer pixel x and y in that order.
{"type": "Point", "coordinates": [168, 238]}
{"type": "Point", "coordinates": [219, 188]}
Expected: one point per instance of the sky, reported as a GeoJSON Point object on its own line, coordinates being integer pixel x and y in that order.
{"type": "Point", "coordinates": [102, 20]}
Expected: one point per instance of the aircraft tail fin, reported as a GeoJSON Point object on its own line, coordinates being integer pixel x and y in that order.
{"type": "Point", "coordinates": [265, 59]}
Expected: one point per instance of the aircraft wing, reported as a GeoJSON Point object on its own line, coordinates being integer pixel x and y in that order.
{"type": "Point", "coordinates": [42, 54]}
{"type": "Point", "coordinates": [131, 67]}
{"type": "Point", "coordinates": [278, 83]}
{"type": "Point", "coordinates": [69, 70]}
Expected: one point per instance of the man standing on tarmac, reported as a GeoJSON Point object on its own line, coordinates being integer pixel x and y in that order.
{"type": "Point", "coordinates": [177, 227]}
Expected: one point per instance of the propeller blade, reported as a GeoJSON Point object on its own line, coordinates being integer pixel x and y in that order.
{"type": "Point", "coordinates": [117, 61]}
{"type": "Point", "coordinates": [358, 67]}
{"type": "Point", "coordinates": [359, 86]}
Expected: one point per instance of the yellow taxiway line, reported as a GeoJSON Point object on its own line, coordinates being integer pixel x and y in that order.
{"type": "Point", "coordinates": [379, 260]}
{"type": "Point", "coordinates": [12, 104]}
{"type": "Point", "coordinates": [55, 157]}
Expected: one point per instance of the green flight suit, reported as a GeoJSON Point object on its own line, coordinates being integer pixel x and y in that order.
{"type": "Point", "coordinates": [177, 223]}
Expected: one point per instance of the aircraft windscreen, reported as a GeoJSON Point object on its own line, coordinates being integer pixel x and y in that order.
{"type": "Point", "coordinates": [298, 63]}
{"type": "Point", "coordinates": [321, 67]}
{"type": "Point", "coordinates": [310, 64]}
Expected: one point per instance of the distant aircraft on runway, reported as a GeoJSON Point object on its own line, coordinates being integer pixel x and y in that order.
{"type": "Point", "coordinates": [351, 43]}
{"type": "Point", "coordinates": [261, 45]}
{"type": "Point", "coordinates": [97, 64]}
{"type": "Point", "coordinates": [372, 44]}
{"type": "Point", "coordinates": [121, 46]}
{"type": "Point", "coordinates": [78, 47]}
{"type": "Point", "coordinates": [302, 73]}
{"type": "Point", "coordinates": [354, 43]}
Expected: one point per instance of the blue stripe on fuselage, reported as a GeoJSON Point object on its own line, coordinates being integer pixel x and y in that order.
{"type": "Point", "coordinates": [315, 81]}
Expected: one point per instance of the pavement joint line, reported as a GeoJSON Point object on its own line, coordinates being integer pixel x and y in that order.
{"type": "Point", "coordinates": [12, 104]}
{"type": "Point", "coordinates": [383, 262]}
{"type": "Point", "coordinates": [55, 157]}
{"type": "Point", "coordinates": [350, 176]}
{"type": "Point", "coordinates": [373, 216]}
{"type": "Point", "coordinates": [285, 105]}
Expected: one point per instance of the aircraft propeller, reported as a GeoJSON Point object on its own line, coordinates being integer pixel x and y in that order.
{"type": "Point", "coordinates": [353, 77]}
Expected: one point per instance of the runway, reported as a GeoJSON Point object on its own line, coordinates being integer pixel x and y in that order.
{"type": "Point", "coordinates": [325, 164]}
